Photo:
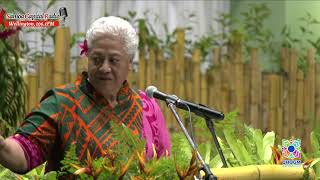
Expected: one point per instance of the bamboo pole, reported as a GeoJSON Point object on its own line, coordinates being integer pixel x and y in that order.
{"type": "Point", "coordinates": [225, 88]}
{"type": "Point", "coordinates": [309, 95]}
{"type": "Point", "coordinates": [189, 83]}
{"type": "Point", "coordinates": [274, 172]}
{"type": "Point", "coordinates": [292, 92]}
{"type": "Point", "coordinates": [50, 73]}
{"type": "Point", "coordinates": [81, 65]}
{"type": "Point", "coordinates": [239, 81]}
{"type": "Point", "coordinates": [247, 93]}
{"type": "Point", "coordinates": [317, 97]}
{"type": "Point", "coordinates": [169, 71]}
{"type": "Point", "coordinates": [196, 75]}
{"type": "Point", "coordinates": [255, 89]}
{"type": "Point", "coordinates": [33, 91]}
{"type": "Point", "coordinates": [151, 70]}
{"type": "Point", "coordinates": [265, 103]}
{"type": "Point", "coordinates": [26, 81]}
{"type": "Point", "coordinates": [215, 80]}
{"type": "Point", "coordinates": [180, 63]}
{"type": "Point", "coordinates": [280, 110]}
{"type": "Point", "coordinates": [42, 72]}
{"type": "Point", "coordinates": [203, 89]}
{"type": "Point", "coordinates": [285, 98]}
{"type": "Point", "coordinates": [142, 70]}
{"type": "Point", "coordinates": [300, 104]}
{"type": "Point", "coordinates": [274, 81]}
{"type": "Point", "coordinates": [161, 71]}
{"type": "Point", "coordinates": [62, 56]}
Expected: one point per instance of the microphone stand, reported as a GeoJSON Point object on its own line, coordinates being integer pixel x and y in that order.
{"type": "Point", "coordinates": [205, 167]}
{"type": "Point", "coordinates": [215, 139]}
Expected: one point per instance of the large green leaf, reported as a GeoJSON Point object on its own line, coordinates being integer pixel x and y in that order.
{"type": "Point", "coordinates": [12, 88]}
{"type": "Point", "coordinates": [216, 162]}
{"type": "Point", "coordinates": [314, 138]}
{"type": "Point", "coordinates": [268, 142]}
{"type": "Point", "coordinates": [205, 151]}
{"type": "Point", "coordinates": [315, 145]}
{"type": "Point", "coordinates": [237, 147]}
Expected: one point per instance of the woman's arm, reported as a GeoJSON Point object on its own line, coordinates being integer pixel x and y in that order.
{"type": "Point", "coordinates": [12, 156]}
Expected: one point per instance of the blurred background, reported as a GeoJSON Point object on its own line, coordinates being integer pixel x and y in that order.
{"type": "Point", "coordinates": [258, 61]}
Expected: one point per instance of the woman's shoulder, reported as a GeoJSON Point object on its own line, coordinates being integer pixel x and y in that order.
{"type": "Point", "coordinates": [60, 92]}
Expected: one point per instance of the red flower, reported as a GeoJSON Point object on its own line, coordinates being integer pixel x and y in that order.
{"type": "Point", "coordinates": [8, 32]}
{"type": "Point", "coordinates": [84, 48]}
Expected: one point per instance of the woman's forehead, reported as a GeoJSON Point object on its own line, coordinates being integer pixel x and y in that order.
{"type": "Point", "coordinates": [103, 52]}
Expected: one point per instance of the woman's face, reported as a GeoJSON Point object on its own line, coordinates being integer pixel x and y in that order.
{"type": "Point", "coordinates": [109, 64]}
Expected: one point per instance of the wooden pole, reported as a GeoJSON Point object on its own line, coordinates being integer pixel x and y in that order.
{"type": "Point", "coordinates": [62, 56]}
{"type": "Point", "coordinates": [203, 89]}
{"type": "Point", "coordinates": [300, 104]}
{"type": "Point", "coordinates": [274, 97]}
{"type": "Point", "coordinates": [317, 97]}
{"type": "Point", "coordinates": [142, 70]}
{"type": "Point", "coordinates": [161, 71]}
{"type": "Point", "coordinates": [225, 88]}
{"type": "Point", "coordinates": [180, 63]}
{"type": "Point", "coordinates": [285, 98]}
{"type": "Point", "coordinates": [33, 91]}
{"type": "Point", "coordinates": [239, 81]}
{"type": "Point", "coordinates": [189, 81]}
{"type": "Point", "coordinates": [310, 96]}
{"type": "Point", "coordinates": [255, 90]}
{"type": "Point", "coordinates": [265, 102]}
{"type": "Point", "coordinates": [292, 92]}
{"type": "Point", "coordinates": [151, 70]}
{"type": "Point", "coordinates": [215, 80]}
{"type": "Point", "coordinates": [196, 75]}
{"type": "Point", "coordinates": [169, 88]}
{"type": "Point", "coordinates": [81, 65]}
{"type": "Point", "coordinates": [42, 80]}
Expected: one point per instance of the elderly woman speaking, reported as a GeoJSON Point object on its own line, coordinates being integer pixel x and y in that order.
{"type": "Point", "coordinates": [81, 112]}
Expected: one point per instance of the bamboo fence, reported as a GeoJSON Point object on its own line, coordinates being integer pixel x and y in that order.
{"type": "Point", "coordinates": [287, 102]}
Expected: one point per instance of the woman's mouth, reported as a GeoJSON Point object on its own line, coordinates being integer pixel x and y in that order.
{"type": "Point", "coordinates": [104, 78]}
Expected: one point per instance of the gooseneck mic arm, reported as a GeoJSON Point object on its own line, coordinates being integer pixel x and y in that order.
{"type": "Point", "coordinates": [198, 109]}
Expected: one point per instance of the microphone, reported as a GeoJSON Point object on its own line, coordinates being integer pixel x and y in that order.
{"type": "Point", "coordinates": [63, 13]}
{"type": "Point", "coordinates": [198, 109]}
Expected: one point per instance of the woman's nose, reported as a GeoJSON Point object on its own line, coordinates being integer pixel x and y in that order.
{"type": "Point", "coordinates": [105, 67]}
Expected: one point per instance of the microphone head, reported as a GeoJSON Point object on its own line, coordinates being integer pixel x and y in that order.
{"type": "Point", "coordinates": [150, 90]}
{"type": "Point", "coordinates": [63, 12]}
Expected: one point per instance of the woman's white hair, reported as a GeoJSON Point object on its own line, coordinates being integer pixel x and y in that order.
{"type": "Point", "coordinates": [117, 27]}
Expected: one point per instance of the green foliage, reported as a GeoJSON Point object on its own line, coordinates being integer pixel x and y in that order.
{"type": "Point", "coordinates": [304, 40]}
{"type": "Point", "coordinates": [148, 37]}
{"type": "Point", "coordinates": [70, 158]}
{"type": "Point", "coordinates": [126, 160]}
{"type": "Point", "coordinates": [254, 19]}
{"type": "Point", "coordinates": [241, 144]}
{"type": "Point", "coordinates": [315, 145]}
{"type": "Point", "coordinates": [12, 88]}
{"type": "Point", "coordinates": [256, 35]}
{"type": "Point", "coordinates": [76, 37]}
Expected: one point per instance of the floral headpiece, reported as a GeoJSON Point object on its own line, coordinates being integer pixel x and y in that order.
{"type": "Point", "coordinates": [84, 48]}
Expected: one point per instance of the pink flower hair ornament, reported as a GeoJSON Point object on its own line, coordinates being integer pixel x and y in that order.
{"type": "Point", "coordinates": [84, 48]}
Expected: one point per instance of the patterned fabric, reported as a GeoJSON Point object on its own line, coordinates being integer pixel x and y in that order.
{"type": "Point", "coordinates": [32, 153]}
{"type": "Point", "coordinates": [78, 113]}
{"type": "Point", "coordinates": [154, 128]}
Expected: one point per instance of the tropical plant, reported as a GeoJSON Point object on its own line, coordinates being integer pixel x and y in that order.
{"type": "Point", "coordinates": [12, 88]}
{"type": "Point", "coordinates": [128, 160]}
